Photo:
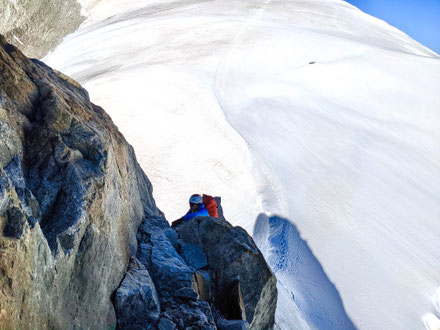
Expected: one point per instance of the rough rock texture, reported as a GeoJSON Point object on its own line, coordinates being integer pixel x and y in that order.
{"type": "Point", "coordinates": [232, 325]}
{"type": "Point", "coordinates": [72, 197]}
{"type": "Point", "coordinates": [38, 26]}
{"type": "Point", "coordinates": [174, 280]}
{"type": "Point", "coordinates": [137, 298]}
{"type": "Point", "coordinates": [208, 275]}
{"type": "Point", "coordinates": [242, 286]}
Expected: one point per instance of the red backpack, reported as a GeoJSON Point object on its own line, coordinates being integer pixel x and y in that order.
{"type": "Point", "coordinates": [211, 205]}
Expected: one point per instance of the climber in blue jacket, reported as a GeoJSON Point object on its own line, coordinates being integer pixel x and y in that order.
{"type": "Point", "coordinates": [196, 209]}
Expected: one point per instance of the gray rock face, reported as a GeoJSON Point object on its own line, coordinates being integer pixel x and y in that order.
{"type": "Point", "coordinates": [193, 256]}
{"type": "Point", "coordinates": [136, 301]}
{"type": "Point", "coordinates": [166, 324]}
{"type": "Point", "coordinates": [186, 293]}
{"type": "Point", "coordinates": [208, 275]}
{"type": "Point", "coordinates": [232, 325]}
{"type": "Point", "coordinates": [174, 280]}
{"type": "Point", "coordinates": [72, 197]}
{"type": "Point", "coordinates": [243, 286]}
{"type": "Point", "coordinates": [36, 27]}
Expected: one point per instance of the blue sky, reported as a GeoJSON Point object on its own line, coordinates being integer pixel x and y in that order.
{"type": "Point", "coordinates": [419, 19]}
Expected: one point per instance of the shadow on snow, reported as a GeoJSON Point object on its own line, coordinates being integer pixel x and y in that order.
{"type": "Point", "coordinates": [300, 273]}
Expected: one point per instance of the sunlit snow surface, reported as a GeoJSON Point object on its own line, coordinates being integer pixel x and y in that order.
{"type": "Point", "coordinates": [309, 110]}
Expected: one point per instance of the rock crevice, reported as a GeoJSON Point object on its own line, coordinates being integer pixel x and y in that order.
{"type": "Point", "coordinates": [207, 274]}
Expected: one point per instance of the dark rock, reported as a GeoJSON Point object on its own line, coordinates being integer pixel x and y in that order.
{"type": "Point", "coordinates": [193, 256]}
{"type": "Point", "coordinates": [172, 277]}
{"type": "Point", "coordinates": [232, 302]}
{"type": "Point", "coordinates": [166, 324]}
{"type": "Point", "coordinates": [15, 224]}
{"type": "Point", "coordinates": [242, 277]}
{"type": "Point", "coordinates": [136, 301]}
{"type": "Point", "coordinates": [170, 272]}
{"type": "Point", "coordinates": [193, 303]}
{"type": "Point", "coordinates": [232, 325]}
{"type": "Point", "coordinates": [186, 293]}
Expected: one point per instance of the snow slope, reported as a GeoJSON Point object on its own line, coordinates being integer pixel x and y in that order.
{"type": "Point", "coordinates": [300, 276]}
{"type": "Point", "coordinates": [308, 110]}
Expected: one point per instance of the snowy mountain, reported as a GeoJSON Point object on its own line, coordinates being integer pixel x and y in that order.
{"type": "Point", "coordinates": [316, 123]}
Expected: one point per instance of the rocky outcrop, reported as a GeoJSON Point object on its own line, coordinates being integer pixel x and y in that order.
{"type": "Point", "coordinates": [38, 26]}
{"type": "Point", "coordinates": [72, 197]}
{"type": "Point", "coordinates": [208, 275]}
{"type": "Point", "coordinates": [174, 280]}
{"type": "Point", "coordinates": [137, 302]}
{"type": "Point", "coordinates": [231, 272]}
{"type": "Point", "coordinates": [82, 243]}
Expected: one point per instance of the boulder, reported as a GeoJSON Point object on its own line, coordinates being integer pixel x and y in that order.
{"type": "Point", "coordinates": [244, 286]}
{"type": "Point", "coordinates": [136, 300]}
{"type": "Point", "coordinates": [206, 271]}
{"type": "Point", "coordinates": [173, 278]}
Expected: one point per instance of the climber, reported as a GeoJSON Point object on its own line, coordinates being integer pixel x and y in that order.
{"type": "Point", "coordinates": [196, 209]}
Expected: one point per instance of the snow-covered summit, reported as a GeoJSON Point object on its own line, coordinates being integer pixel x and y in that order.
{"type": "Point", "coordinates": [308, 110]}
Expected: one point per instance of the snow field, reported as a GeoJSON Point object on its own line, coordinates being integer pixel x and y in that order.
{"type": "Point", "coordinates": [219, 97]}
